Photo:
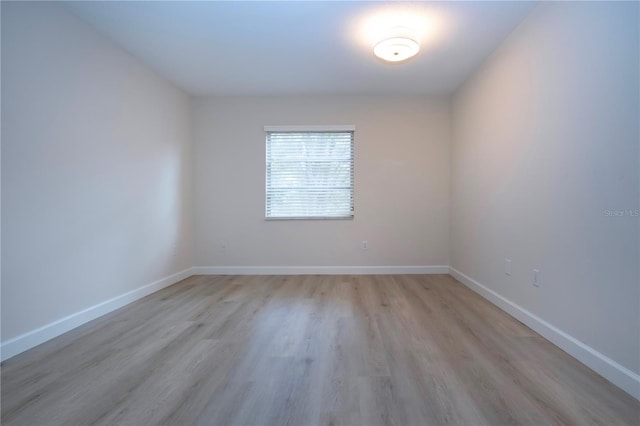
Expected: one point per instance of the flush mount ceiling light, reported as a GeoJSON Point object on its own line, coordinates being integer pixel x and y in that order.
{"type": "Point", "coordinates": [396, 49]}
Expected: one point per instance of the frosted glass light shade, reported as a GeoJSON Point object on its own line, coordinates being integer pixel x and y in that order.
{"type": "Point", "coordinates": [396, 49]}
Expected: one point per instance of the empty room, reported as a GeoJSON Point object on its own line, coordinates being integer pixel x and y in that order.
{"type": "Point", "coordinates": [320, 213]}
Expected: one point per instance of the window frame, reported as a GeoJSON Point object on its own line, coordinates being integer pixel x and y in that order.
{"type": "Point", "coordinates": [310, 129]}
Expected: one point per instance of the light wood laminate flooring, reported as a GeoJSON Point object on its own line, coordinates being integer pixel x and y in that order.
{"type": "Point", "coordinates": [307, 350]}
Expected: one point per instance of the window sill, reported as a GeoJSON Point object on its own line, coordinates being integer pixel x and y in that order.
{"type": "Point", "coordinates": [269, 219]}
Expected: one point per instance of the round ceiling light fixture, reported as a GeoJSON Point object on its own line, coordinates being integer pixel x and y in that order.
{"type": "Point", "coordinates": [396, 49]}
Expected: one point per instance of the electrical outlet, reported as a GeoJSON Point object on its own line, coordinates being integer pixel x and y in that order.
{"type": "Point", "coordinates": [365, 245]}
{"type": "Point", "coordinates": [536, 278]}
{"type": "Point", "coordinates": [507, 266]}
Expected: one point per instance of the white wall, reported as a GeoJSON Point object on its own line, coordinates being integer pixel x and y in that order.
{"type": "Point", "coordinates": [546, 141]}
{"type": "Point", "coordinates": [97, 181]}
{"type": "Point", "coordinates": [96, 178]}
{"type": "Point", "coordinates": [401, 183]}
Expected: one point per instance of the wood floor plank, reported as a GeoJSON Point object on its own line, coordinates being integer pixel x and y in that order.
{"type": "Point", "coordinates": [307, 350]}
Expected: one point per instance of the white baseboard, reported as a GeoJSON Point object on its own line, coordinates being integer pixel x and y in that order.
{"type": "Point", "coordinates": [40, 335]}
{"type": "Point", "coordinates": [617, 374]}
{"type": "Point", "coordinates": [603, 365]}
{"type": "Point", "coordinates": [319, 270]}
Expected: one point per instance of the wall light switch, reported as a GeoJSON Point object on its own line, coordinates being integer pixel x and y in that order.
{"type": "Point", "coordinates": [536, 278]}
{"type": "Point", "coordinates": [507, 266]}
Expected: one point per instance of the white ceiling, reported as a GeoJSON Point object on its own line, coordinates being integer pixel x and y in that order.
{"type": "Point", "coordinates": [304, 47]}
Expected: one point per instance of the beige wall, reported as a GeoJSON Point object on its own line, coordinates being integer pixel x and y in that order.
{"type": "Point", "coordinates": [545, 141]}
{"type": "Point", "coordinates": [401, 183]}
{"type": "Point", "coordinates": [96, 177]}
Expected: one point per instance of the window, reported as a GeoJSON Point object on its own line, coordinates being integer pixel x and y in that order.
{"type": "Point", "coordinates": [309, 172]}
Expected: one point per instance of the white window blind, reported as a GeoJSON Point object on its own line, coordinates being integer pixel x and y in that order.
{"type": "Point", "coordinates": [309, 174]}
